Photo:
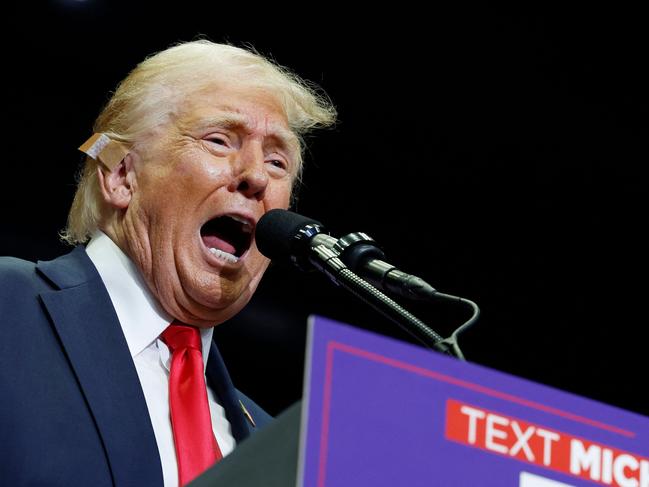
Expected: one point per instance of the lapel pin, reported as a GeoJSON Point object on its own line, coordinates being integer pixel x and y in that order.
{"type": "Point", "coordinates": [247, 414]}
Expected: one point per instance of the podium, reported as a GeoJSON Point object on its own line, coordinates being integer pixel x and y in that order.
{"type": "Point", "coordinates": [378, 412]}
{"type": "Point", "coordinates": [269, 458]}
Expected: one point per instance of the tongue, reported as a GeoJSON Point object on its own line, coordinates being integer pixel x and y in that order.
{"type": "Point", "coordinates": [214, 242]}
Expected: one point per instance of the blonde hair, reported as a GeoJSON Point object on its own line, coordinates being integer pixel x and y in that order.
{"type": "Point", "coordinates": [153, 92]}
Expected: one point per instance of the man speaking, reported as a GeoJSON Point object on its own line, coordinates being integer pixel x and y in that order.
{"type": "Point", "coordinates": [108, 372]}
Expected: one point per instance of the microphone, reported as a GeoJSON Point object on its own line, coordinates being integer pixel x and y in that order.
{"type": "Point", "coordinates": [282, 235]}
{"type": "Point", "coordinates": [285, 235]}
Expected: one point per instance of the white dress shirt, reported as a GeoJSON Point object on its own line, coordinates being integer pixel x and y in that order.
{"type": "Point", "coordinates": [143, 320]}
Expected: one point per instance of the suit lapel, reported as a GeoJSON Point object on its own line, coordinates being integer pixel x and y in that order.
{"type": "Point", "coordinates": [91, 335]}
{"type": "Point", "coordinates": [220, 382]}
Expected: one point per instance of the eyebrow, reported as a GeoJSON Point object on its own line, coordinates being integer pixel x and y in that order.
{"type": "Point", "coordinates": [232, 120]}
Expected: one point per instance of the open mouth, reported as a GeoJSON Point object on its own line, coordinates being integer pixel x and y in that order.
{"type": "Point", "coordinates": [227, 237]}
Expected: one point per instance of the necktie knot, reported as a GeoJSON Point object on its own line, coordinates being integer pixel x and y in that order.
{"type": "Point", "coordinates": [179, 336]}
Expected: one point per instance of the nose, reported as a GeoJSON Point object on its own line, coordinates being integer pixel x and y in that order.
{"type": "Point", "coordinates": [250, 175]}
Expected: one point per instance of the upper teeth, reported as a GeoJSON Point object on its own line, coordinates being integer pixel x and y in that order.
{"type": "Point", "coordinates": [233, 259]}
{"type": "Point", "coordinates": [246, 227]}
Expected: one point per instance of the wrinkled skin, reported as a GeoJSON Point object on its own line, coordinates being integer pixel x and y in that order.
{"type": "Point", "coordinates": [227, 151]}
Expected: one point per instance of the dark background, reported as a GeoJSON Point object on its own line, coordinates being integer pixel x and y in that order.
{"type": "Point", "coordinates": [500, 157]}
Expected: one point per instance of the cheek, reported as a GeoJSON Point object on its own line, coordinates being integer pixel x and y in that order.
{"type": "Point", "coordinates": [197, 168]}
{"type": "Point", "coordinates": [279, 196]}
{"type": "Point", "coordinates": [215, 171]}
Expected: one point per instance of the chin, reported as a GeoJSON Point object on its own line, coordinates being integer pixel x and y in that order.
{"type": "Point", "coordinates": [211, 307]}
{"type": "Point", "coordinates": [207, 293]}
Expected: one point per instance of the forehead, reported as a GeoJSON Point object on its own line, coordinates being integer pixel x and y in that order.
{"type": "Point", "coordinates": [252, 109]}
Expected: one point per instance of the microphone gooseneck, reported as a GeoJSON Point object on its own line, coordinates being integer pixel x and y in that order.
{"type": "Point", "coordinates": [286, 236]}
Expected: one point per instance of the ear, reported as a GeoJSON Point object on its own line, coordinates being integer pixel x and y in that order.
{"type": "Point", "coordinates": [117, 186]}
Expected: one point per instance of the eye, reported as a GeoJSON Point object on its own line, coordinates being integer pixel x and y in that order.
{"type": "Point", "coordinates": [279, 166]}
{"type": "Point", "coordinates": [278, 163]}
{"type": "Point", "coordinates": [218, 139]}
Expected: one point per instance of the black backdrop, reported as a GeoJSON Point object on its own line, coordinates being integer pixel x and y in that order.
{"type": "Point", "coordinates": [500, 157]}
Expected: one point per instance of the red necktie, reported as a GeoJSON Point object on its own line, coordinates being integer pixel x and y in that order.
{"type": "Point", "coordinates": [196, 447]}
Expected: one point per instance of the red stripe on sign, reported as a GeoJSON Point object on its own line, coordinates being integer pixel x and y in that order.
{"type": "Point", "coordinates": [545, 447]}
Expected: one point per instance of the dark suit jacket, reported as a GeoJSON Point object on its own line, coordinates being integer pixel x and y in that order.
{"type": "Point", "coordinates": [72, 411]}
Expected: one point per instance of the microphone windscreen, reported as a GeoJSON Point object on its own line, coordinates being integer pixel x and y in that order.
{"type": "Point", "coordinates": [276, 233]}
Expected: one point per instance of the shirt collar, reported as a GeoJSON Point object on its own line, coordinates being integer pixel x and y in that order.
{"type": "Point", "coordinates": [141, 316]}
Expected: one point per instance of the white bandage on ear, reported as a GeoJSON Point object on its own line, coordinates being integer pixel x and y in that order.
{"type": "Point", "coordinates": [108, 151]}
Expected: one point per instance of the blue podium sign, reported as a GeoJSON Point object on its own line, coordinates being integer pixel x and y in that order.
{"type": "Point", "coordinates": [378, 412]}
